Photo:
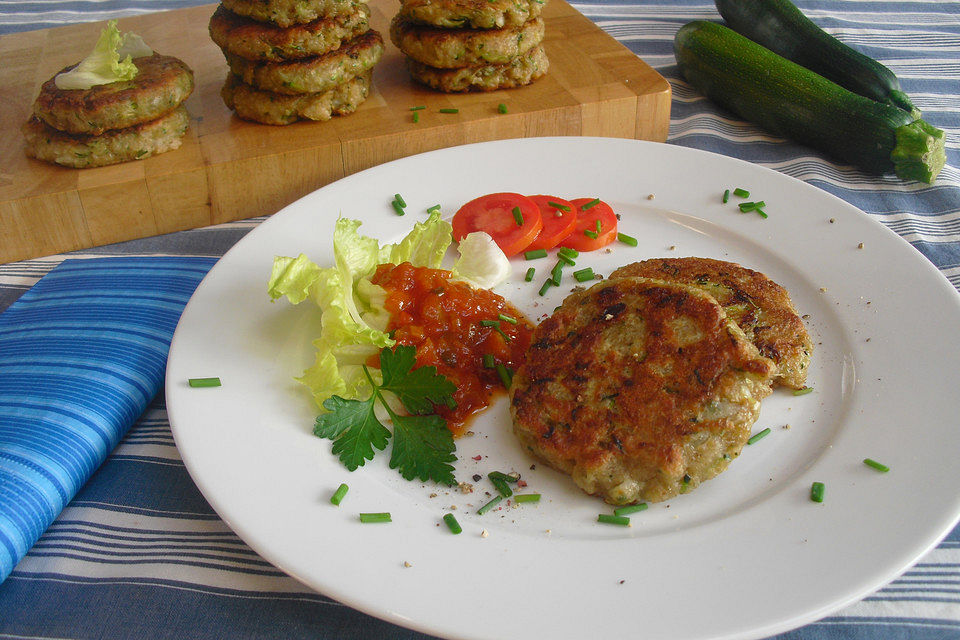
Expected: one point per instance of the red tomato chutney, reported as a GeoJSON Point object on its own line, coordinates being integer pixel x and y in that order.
{"type": "Point", "coordinates": [442, 319]}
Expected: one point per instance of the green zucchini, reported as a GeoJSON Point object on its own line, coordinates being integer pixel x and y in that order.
{"type": "Point", "coordinates": [781, 27]}
{"type": "Point", "coordinates": [794, 102]}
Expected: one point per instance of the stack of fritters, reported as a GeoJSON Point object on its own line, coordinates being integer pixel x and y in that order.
{"type": "Point", "coordinates": [295, 59]}
{"type": "Point", "coordinates": [115, 122]}
{"type": "Point", "coordinates": [459, 45]}
{"type": "Point", "coordinates": [647, 384]}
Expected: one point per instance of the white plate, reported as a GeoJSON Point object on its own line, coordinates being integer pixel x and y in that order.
{"type": "Point", "coordinates": [746, 555]}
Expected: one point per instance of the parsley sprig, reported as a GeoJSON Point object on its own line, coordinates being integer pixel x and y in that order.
{"type": "Point", "coordinates": [423, 447]}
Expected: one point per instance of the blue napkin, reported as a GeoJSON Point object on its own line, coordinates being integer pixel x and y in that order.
{"type": "Point", "coordinates": [82, 353]}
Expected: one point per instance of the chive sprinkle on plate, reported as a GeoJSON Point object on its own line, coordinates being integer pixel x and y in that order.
{"type": "Point", "coordinates": [204, 382]}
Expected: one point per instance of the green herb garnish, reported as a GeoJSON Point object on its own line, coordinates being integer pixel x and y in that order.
{"type": "Point", "coordinates": [423, 447]}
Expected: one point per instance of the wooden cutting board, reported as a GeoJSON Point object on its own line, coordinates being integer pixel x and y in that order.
{"type": "Point", "coordinates": [228, 169]}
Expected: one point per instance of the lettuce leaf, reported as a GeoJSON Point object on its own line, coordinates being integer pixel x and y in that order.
{"type": "Point", "coordinates": [354, 317]}
{"type": "Point", "coordinates": [110, 61]}
{"type": "Point", "coordinates": [481, 263]}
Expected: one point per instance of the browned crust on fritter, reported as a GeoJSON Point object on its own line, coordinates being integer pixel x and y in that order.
{"type": "Point", "coordinates": [267, 107]}
{"type": "Point", "coordinates": [457, 48]}
{"type": "Point", "coordinates": [616, 389]}
{"type": "Point", "coordinates": [476, 14]}
{"type": "Point", "coordinates": [760, 306]}
{"type": "Point", "coordinates": [162, 83]}
{"type": "Point", "coordinates": [286, 13]}
{"type": "Point", "coordinates": [314, 74]}
{"type": "Point", "coordinates": [111, 147]}
{"type": "Point", "coordinates": [254, 40]}
{"type": "Point", "coordinates": [519, 72]}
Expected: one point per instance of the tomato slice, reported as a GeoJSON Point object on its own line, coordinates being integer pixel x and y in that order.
{"type": "Point", "coordinates": [558, 222]}
{"type": "Point", "coordinates": [493, 213]}
{"type": "Point", "coordinates": [587, 221]}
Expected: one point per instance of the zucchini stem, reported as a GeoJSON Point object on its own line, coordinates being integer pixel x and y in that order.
{"type": "Point", "coordinates": [920, 152]}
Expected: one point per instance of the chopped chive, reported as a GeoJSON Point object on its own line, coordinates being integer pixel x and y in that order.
{"type": "Point", "coordinates": [760, 212]}
{"type": "Point", "coordinates": [759, 436]}
{"type": "Point", "coordinates": [375, 517]}
{"type": "Point", "coordinates": [606, 518]}
{"type": "Point", "coordinates": [400, 200]}
{"type": "Point", "coordinates": [545, 286]}
{"type": "Point", "coordinates": [517, 216]}
{"type": "Point", "coordinates": [506, 477]}
{"type": "Point", "coordinates": [501, 485]}
{"type": "Point", "coordinates": [557, 205]}
{"type": "Point", "coordinates": [598, 227]}
{"type": "Point", "coordinates": [452, 523]}
{"type": "Point", "coordinates": [567, 252]}
{"type": "Point", "coordinates": [590, 234]}
{"type": "Point", "coordinates": [397, 208]}
{"type": "Point", "coordinates": [337, 496]}
{"type": "Point", "coordinates": [583, 274]}
{"type": "Point", "coordinates": [816, 491]}
{"type": "Point", "coordinates": [567, 259]}
{"type": "Point", "coordinates": [507, 318]}
{"type": "Point", "coordinates": [449, 110]}
{"type": "Point", "coordinates": [802, 392]}
{"type": "Point", "coordinates": [747, 206]}
{"type": "Point", "coordinates": [741, 193]}
{"type": "Point", "coordinates": [490, 505]}
{"type": "Point", "coordinates": [590, 204]}
{"type": "Point", "coordinates": [502, 108]}
{"type": "Point", "coordinates": [489, 362]}
{"type": "Point", "coordinates": [418, 108]}
{"type": "Point", "coordinates": [416, 116]}
{"type": "Point", "coordinates": [628, 240]}
{"type": "Point", "coordinates": [520, 498]}
{"type": "Point", "coordinates": [490, 323]}
{"type": "Point", "coordinates": [204, 382]}
{"type": "Point", "coordinates": [536, 253]}
{"type": "Point", "coordinates": [435, 207]}
{"type": "Point", "coordinates": [556, 274]}
{"type": "Point", "coordinates": [630, 508]}
{"type": "Point", "coordinates": [529, 276]}
{"type": "Point", "coordinates": [506, 376]}
{"type": "Point", "coordinates": [726, 196]}
{"type": "Point", "coordinates": [873, 464]}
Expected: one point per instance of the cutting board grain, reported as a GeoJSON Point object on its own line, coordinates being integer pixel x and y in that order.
{"type": "Point", "coordinates": [228, 169]}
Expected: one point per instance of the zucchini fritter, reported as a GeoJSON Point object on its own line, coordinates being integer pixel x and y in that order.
{"type": "Point", "coordinates": [476, 14]}
{"type": "Point", "coordinates": [162, 83]}
{"type": "Point", "coordinates": [760, 306]}
{"type": "Point", "coordinates": [520, 71]}
{"type": "Point", "coordinates": [267, 107]}
{"type": "Point", "coordinates": [456, 48]}
{"type": "Point", "coordinates": [639, 389]}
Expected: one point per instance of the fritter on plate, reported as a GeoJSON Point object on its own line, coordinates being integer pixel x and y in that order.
{"type": "Point", "coordinates": [254, 40]}
{"type": "Point", "coordinates": [476, 14]}
{"type": "Point", "coordinates": [111, 147]}
{"type": "Point", "coordinates": [520, 71]}
{"type": "Point", "coordinates": [760, 306]}
{"type": "Point", "coordinates": [162, 83]}
{"type": "Point", "coordinates": [314, 74]}
{"type": "Point", "coordinates": [276, 108]}
{"type": "Point", "coordinates": [639, 389]}
{"type": "Point", "coordinates": [286, 13]}
{"type": "Point", "coordinates": [455, 48]}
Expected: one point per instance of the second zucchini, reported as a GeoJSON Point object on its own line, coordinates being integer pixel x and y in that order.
{"type": "Point", "coordinates": [792, 101]}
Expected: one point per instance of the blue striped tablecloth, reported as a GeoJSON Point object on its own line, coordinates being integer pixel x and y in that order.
{"type": "Point", "coordinates": [139, 553]}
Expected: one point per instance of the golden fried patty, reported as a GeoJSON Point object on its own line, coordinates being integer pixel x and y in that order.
{"type": "Point", "coordinates": [261, 41]}
{"type": "Point", "coordinates": [520, 71]}
{"type": "Point", "coordinates": [111, 147]}
{"type": "Point", "coordinates": [639, 389]}
{"type": "Point", "coordinates": [315, 74]}
{"type": "Point", "coordinates": [161, 84]}
{"type": "Point", "coordinates": [476, 14]}
{"type": "Point", "coordinates": [456, 48]}
{"type": "Point", "coordinates": [276, 108]}
{"type": "Point", "coordinates": [760, 306]}
{"type": "Point", "coordinates": [286, 13]}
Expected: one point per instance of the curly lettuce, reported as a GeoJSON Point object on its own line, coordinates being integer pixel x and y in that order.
{"type": "Point", "coordinates": [110, 61]}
